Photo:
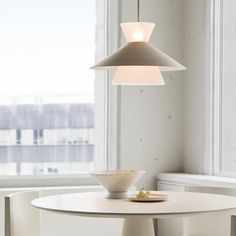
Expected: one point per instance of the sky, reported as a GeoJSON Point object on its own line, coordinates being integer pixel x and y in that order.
{"type": "Point", "coordinates": [47, 47]}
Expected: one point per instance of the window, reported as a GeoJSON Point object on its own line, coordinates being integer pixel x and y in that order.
{"type": "Point", "coordinates": [53, 113]}
{"type": "Point", "coordinates": [224, 89]}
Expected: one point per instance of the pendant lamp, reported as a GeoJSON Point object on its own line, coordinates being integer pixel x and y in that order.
{"type": "Point", "coordinates": [138, 62]}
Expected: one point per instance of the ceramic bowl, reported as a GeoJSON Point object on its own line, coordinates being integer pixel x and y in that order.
{"type": "Point", "coordinates": [117, 182]}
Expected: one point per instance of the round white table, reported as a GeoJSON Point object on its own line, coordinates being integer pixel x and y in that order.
{"type": "Point", "coordinates": [138, 217]}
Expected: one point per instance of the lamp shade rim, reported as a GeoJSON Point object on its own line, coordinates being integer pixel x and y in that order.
{"type": "Point", "coordinates": [141, 22]}
{"type": "Point", "coordinates": [137, 84]}
{"type": "Point", "coordinates": [162, 68]}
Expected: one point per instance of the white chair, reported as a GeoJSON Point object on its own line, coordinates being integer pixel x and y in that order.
{"type": "Point", "coordinates": [21, 219]}
{"type": "Point", "coordinates": [233, 226]}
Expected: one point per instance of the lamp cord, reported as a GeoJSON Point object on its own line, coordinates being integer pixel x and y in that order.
{"type": "Point", "coordinates": [138, 10]}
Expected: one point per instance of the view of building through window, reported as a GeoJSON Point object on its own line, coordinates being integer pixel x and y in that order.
{"type": "Point", "coordinates": [47, 89]}
{"type": "Point", "coordinates": [46, 138]}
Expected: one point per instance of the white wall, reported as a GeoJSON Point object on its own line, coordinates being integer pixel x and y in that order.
{"type": "Point", "coordinates": [167, 129]}
{"type": "Point", "coordinates": [151, 118]}
{"type": "Point", "coordinates": [197, 90]}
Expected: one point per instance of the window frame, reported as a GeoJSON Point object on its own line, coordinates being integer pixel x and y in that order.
{"type": "Point", "coordinates": [216, 60]}
{"type": "Point", "coordinates": [217, 74]}
{"type": "Point", "coordinates": [107, 153]}
{"type": "Point", "coordinates": [112, 93]}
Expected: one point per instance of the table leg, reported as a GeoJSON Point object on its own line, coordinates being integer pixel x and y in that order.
{"type": "Point", "coordinates": [138, 227]}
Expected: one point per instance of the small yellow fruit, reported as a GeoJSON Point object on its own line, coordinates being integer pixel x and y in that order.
{"type": "Point", "coordinates": [143, 194]}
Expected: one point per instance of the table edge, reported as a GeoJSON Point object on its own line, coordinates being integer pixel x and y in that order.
{"type": "Point", "coordinates": [130, 215]}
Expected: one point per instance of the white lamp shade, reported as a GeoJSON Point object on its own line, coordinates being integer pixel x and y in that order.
{"type": "Point", "coordinates": [138, 75]}
{"type": "Point", "coordinates": [137, 31]}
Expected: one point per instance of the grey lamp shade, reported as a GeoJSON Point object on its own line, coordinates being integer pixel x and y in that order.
{"type": "Point", "coordinates": [139, 54]}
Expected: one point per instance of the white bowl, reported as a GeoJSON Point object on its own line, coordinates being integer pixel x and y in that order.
{"type": "Point", "coordinates": [117, 182]}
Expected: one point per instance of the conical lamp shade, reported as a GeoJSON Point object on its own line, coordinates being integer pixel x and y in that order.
{"type": "Point", "coordinates": [137, 31]}
{"type": "Point", "coordinates": [139, 54]}
{"type": "Point", "coordinates": [138, 62]}
{"type": "Point", "coordinates": [138, 75]}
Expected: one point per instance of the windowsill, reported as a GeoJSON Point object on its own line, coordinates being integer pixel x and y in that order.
{"type": "Point", "coordinates": [199, 180]}
{"type": "Point", "coordinates": [46, 145]}
{"type": "Point", "coordinates": [46, 181]}
{"type": "Point", "coordinates": [63, 189]}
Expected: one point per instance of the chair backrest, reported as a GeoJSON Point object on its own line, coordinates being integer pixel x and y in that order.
{"type": "Point", "coordinates": [21, 219]}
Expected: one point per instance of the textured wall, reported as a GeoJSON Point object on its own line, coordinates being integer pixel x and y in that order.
{"type": "Point", "coordinates": [152, 117]}
{"type": "Point", "coordinates": [197, 89]}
